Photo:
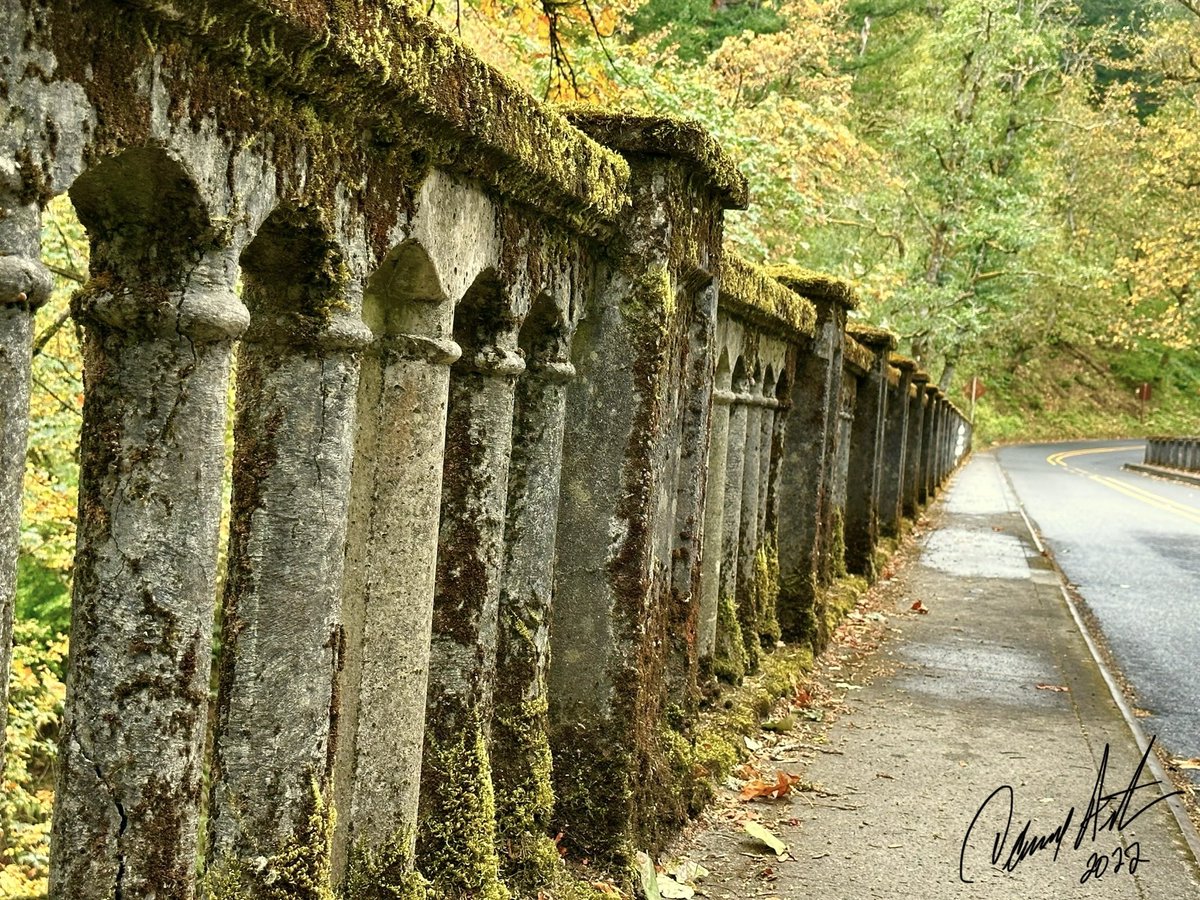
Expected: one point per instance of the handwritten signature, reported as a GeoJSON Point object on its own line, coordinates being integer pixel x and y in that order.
{"type": "Point", "coordinates": [1106, 813]}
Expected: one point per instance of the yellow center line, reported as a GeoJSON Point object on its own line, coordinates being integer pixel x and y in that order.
{"type": "Point", "coordinates": [1165, 504]}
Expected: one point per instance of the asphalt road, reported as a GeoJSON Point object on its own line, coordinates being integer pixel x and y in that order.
{"type": "Point", "coordinates": [1131, 545]}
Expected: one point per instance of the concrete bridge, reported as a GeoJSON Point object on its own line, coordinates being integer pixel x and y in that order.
{"type": "Point", "coordinates": [528, 462]}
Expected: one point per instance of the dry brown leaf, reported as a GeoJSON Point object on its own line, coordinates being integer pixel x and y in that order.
{"type": "Point", "coordinates": [919, 607]}
{"type": "Point", "coordinates": [1057, 688]}
{"type": "Point", "coordinates": [1193, 763]}
{"type": "Point", "coordinates": [759, 789]}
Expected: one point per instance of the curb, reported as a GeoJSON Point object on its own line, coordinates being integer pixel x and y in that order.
{"type": "Point", "coordinates": [1163, 472]}
{"type": "Point", "coordinates": [1186, 826]}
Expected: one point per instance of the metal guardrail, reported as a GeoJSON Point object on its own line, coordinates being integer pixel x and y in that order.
{"type": "Point", "coordinates": [1174, 453]}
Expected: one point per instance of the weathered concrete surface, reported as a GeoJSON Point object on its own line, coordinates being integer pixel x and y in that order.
{"type": "Point", "coordinates": [894, 456]}
{"type": "Point", "coordinates": [714, 516]}
{"type": "Point", "coordinates": [950, 712]}
{"type": "Point", "coordinates": [282, 635]}
{"type": "Point", "coordinates": [391, 561]}
{"type": "Point", "coordinates": [915, 446]}
{"type": "Point", "coordinates": [864, 470]}
{"type": "Point", "coordinates": [160, 320]}
{"type": "Point", "coordinates": [804, 474]}
{"type": "Point", "coordinates": [520, 742]}
{"type": "Point", "coordinates": [456, 829]}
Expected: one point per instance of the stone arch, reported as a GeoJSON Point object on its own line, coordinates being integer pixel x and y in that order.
{"type": "Point", "coordinates": [144, 214]}
{"type": "Point", "coordinates": [545, 335]}
{"type": "Point", "coordinates": [405, 294]}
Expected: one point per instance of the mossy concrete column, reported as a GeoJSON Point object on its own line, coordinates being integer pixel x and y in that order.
{"type": "Point", "coordinates": [929, 434]}
{"type": "Point", "coordinates": [391, 562]}
{"type": "Point", "coordinates": [25, 285]}
{"type": "Point", "coordinates": [733, 656]}
{"type": "Point", "coordinates": [864, 489]}
{"type": "Point", "coordinates": [690, 464]}
{"type": "Point", "coordinates": [456, 835]}
{"type": "Point", "coordinates": [766, 555]}
{"type": "Point", "coordinates": [804, 484]}
{"type": "Point", "coordinates": [915, 445]}
{"type": "Point", "coordinates": [282, 639]}
{"type": "Point", "coordinates": [747, 552]}
{"type": "Point", "coordinates": [160, 315]}
{"type": "Point", "coordinates": [714, 519]}
{"type": "Point", "coordinates": [609, 700]}
{"type": "Point", "coordinates": [895, 446]}
{"type": "Point", "coordinates": [520, 742]}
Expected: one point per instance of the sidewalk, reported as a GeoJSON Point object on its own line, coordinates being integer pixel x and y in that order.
{"type": "Point", "coordinates": [949, 712]}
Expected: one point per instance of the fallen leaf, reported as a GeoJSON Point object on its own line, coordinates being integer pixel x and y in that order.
{"type": "Point", "coordinates": [1193, 763]}
{"type": "Point", "coordinates": [803, 698]}
{"type": "Point", "coordinates": [1057, 688]}
{"type": "Point", "coordinates": [647, 876]}
{"type": "Point", "coordinates": [780, 726]}
{"type": "Point", "coordinates": [670, 889]}
{"type": "Point", "coordinates": [761, 834]}
{"type": "Point", "coordinates": [767, 790]}
{"type": "Point", "coordinates": [687, 871]}
{"type": "Point", "coordinates": [919, 607]}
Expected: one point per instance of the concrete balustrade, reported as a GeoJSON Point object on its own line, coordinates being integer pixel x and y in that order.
{"type": "Point", "coordinates": [527, 464]}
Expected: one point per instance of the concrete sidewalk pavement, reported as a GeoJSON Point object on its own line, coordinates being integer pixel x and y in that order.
{"type": "Point", "coordinates": [994, 687]}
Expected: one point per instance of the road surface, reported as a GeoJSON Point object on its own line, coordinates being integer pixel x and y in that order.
{"type": "Point", "coordinates": [1131, 545]}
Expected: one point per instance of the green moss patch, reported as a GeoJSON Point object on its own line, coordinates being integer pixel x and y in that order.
{"type": "Point", "coordinates": [729, 654]}
{"type": "Point", "coordinates": [456, 836]}
{"type": "Point", "coordinates": [751, 292]}
{"type": "Point", "coordinates": [816, 285]}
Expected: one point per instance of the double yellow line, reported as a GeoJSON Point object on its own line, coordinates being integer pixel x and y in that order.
{"type": "Point", "coordinates": [1166, 504]}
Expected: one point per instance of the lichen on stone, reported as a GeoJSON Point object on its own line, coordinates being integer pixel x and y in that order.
{"type": "Point", "coordinates": [766, 581]}
{"type": "Point", "coordinates": [857, 357]}
{"type": "Point", "coordinates": [870, 335]}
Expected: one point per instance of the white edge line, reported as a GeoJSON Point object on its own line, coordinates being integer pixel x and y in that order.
{"type": "Point", "coordinates": [1186, 826]}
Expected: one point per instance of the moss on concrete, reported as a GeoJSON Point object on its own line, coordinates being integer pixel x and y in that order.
{"type": "Point", "coordinates": [456, 835]}
{"type": "Point", "coordinates": [871, 336]}
{"type": "Point", "coordinates": [299, 870]}
{"type": "Point", "coordinates": [525, 804]}
{"type": "Point", "coordinates": [816, 285]}
{"type": "Point", "coordinates": [729, 654]}
{"type": "Point", "coordinates": [766, 589]}
{"type": "Point", "coordinates": [857, 357]}
{"type": "Point", "coordinates": [384, 873]}
{"type": "Point", "coordinates": [750, 291]}
{"type": "Point", "coordinates": [673, 136]}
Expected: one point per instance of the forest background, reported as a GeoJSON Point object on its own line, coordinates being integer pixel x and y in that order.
{"type": "Point", "coordinates": [1012, 184]}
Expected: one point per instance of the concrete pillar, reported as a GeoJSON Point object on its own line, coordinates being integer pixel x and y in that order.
{"type": "Point", "coordinates": [160, 317]}
{"type": "Point", "coordinates": [834, 560]}
{"type": "Point", "coordinates": [747, 597]}
{"type": "Point", "coordinates": [395, 505]}
{"type": "Point", "coordinates": [863, 486]}
{"type": "Point", "coordinates": [766, 560]}
{"type": "Point", "coordinates": [916, 433]}
{"type": "Point", "coordinates": [806, 455]}
{"type": "Point", "coordinates": [281, 625]}
{"type": "Point", "coordinates": [929, 436]}
{"type": "Point", "coordinates": [733, 656]}
{"type": "Point", "coordinates": [714, 517]}
{"type": "Point", "coordinates": [520, 745]}
{"type": "Point", "coordinates": [895, 448]}
{"type": "Point", "coordinates": [25, 284]}
{"type": "Point", "coordinates": [456, 846]}
{"type": "Point", "coordinates": [687, 537]}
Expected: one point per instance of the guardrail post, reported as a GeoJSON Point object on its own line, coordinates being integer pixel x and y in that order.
{"type": "Point", "coordinates": [916, 438]}
{"type": "Point", "coordinates": [895, 453]}
{"type": "Point", "coordinates": [864, 475]}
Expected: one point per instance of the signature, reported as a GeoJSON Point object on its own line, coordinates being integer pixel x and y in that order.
{"type": "Point", "coordinates": [1106, 813]}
